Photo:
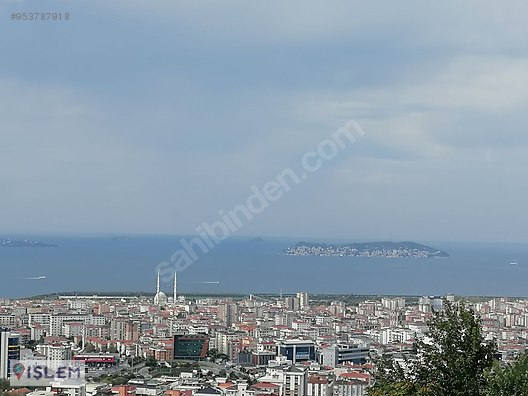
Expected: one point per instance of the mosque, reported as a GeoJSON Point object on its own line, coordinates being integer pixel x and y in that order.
{"type": "Point", "coordinates": [160, 299]}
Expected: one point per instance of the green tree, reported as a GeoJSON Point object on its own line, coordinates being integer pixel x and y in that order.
{"type": "Point", "coordinates": [5, 386]}
{"type": "Point", "coordinates": [222, 356]}
{"type": "Point", "coordinates": [392, 380]}
{"type": "Point", "coordinates": [452, 359]}
{"type": "Point", "coordinates": [403, 388]}
{"type": "Point", "coordinates": [511, 380]}
{"type": "Point", "coordinates": [120, 380]}
{"type": "Point", "coordinates": [151, 361]}
{"type": "Point", "coordinates": [454, 363]}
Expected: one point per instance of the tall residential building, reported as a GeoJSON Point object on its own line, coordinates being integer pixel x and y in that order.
{"type": "Point", "coordinates": [40, 318]}
{"type": "Point", "coordinates": [393, 303]}
{"type": "Point", "coordinates": [55, 353]}
{"type": "Point", "coordinates": [337, 308]}
{"type": "Point", "coordinates": [9, 351]}
{"type": "Point", "coordinates": [7, 320]}
{"type": "Point", "coordinates": [303, 300]}
{"type": "Point", "coordinates": [430, 304]}
{"type": "Point", "coordinates": [224, 341]}
{"type": "Point", "coordinates": [228, 313]}
{"type": "Point", "coordinates": [292, 303]}
{"type": "Point", "coordinates": [118, 328]}
{"type": "Point", "coordinates": [295, 381]}
{"type": "Point", "coordinates": [56, 327]}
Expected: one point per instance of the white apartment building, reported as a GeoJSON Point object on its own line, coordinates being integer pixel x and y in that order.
{"type": "Point", "coordinates": [395, 335]}
{"type": "Point", "coordinates": [304, 302]}
{"type": "Point", "coordinates": [295, 381]}
{"type": "Point", "coordinates": [55, 352]}
{"type": "Point", "coordinates": [64, 389]}
{"type": "Point", "coordinates": [319, 386]}
{"type": "Point", "coordinates": [393, 304]}
{"type": "Point", "coordinates": [73, 329]}
{"type": "Point", "coordinates": [41, 318]}
{"type": "Point", "coordinates": [7, 320]}
{"type": "Point", "coordinates": [56, 322]}
{"type": "Point", "coordinates": [350, 388]}
{"type": "Point", "coordinates": [37, 331]}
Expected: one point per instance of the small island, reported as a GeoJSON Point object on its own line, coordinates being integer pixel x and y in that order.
{"type": "Point", "coordinates": [9, 243]}
{"type": "Point", "coordinates": [366, 249]}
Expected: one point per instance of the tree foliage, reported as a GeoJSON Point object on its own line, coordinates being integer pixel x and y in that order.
{"type": "Point", "coordinates": [402, 388]}
{"type": "Point", "coordinates": [511, 380]}
{"type": "Point", "coordinates": [4, 385]}
{"type": "Point", "coordinates": [451, 360]}
{"type": "Point", "coordinates": [455, 360]}
{"type": "Point", "coordinates": [150, 361]}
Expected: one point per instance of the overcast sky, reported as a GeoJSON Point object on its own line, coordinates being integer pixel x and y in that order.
{"type": "Point", "coordinates": [150, 116]}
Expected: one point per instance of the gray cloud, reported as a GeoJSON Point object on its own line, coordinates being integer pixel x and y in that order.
{"type": "Point", "coordinates": [151, 116]}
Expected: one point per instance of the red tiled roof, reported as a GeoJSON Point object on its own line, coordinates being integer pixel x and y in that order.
{"type": "Point", "coordinates": [265, 385]}
{"type": "Point", "coordinates": [317, 379]}
{"type": "Point", "coordinates": [356, 375]}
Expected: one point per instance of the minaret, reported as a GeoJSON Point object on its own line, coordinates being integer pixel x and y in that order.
{"type": "Point", "coordinates": [175, 287]}
{"type": "Point", "coordinates": [157, 286]}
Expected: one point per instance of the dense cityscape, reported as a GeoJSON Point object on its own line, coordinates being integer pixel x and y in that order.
{"type": "Point", "coordinates": [263, 198]}
{"type": "Point", "coordinates": [240, 346]}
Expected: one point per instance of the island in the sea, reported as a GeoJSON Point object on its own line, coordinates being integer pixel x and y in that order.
{"type": "Point", "coordinates": [6, 243]}
{"type": "Point", "coordinates": [365, 249]}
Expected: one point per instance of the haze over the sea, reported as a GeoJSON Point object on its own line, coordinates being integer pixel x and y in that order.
{"type": "Point", "coordinates": [242, 265]}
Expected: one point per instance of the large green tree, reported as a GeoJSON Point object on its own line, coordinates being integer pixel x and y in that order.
{"type": "Point", "coordinates": [509, 380]}
{"type": "Point", "coordinates": [454, 356]}
{"type": "Point", "coordinates": [451, 360]}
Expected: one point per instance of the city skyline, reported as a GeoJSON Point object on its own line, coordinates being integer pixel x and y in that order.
{"type": "Point", "coordinates": [263, 198]}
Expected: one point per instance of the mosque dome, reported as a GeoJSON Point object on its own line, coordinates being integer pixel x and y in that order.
{"type": "Point", "coordinates": [160, 299]}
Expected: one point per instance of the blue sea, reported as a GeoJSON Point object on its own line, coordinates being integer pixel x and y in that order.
{"type": "Point", "coordinates": [243, 265]}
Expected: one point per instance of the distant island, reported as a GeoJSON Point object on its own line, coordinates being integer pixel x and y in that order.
{"type": "Point", "coordinates": [365, 249]}
{"type": "Point", "coordinates": [7, 243]}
